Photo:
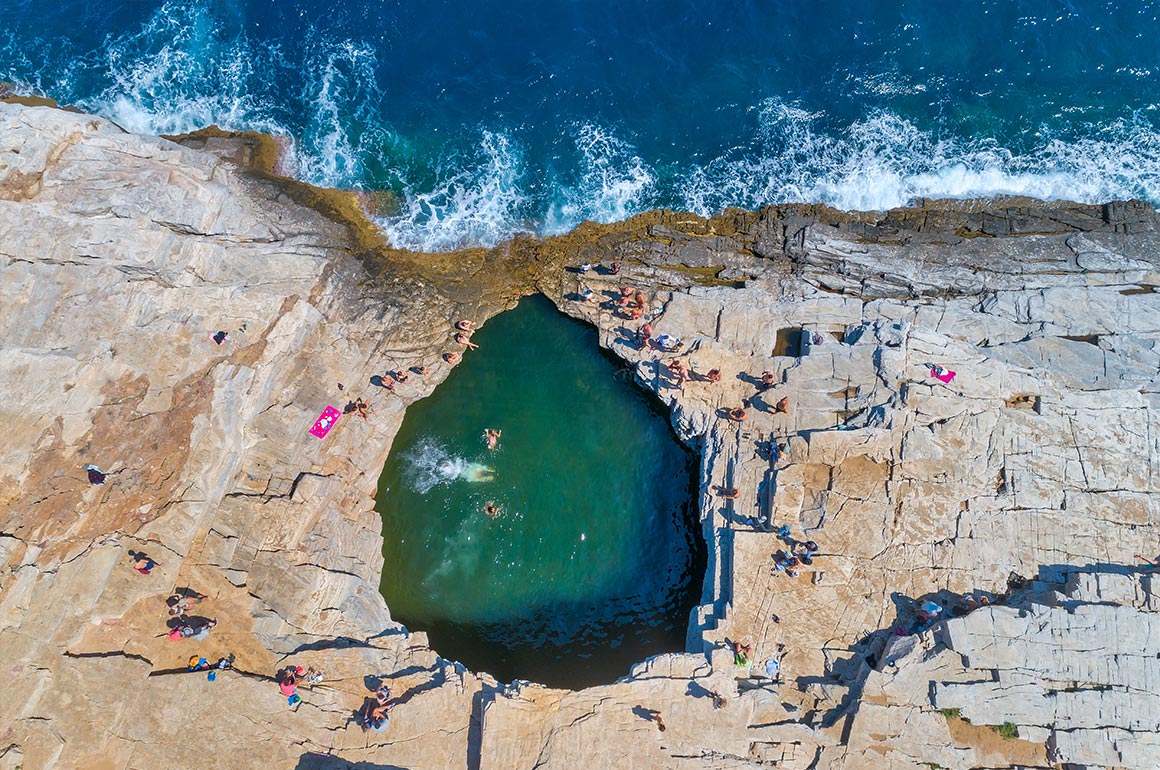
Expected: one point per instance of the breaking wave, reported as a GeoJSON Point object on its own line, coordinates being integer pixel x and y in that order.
{"type": "Point", "coordinates": [190, 65]}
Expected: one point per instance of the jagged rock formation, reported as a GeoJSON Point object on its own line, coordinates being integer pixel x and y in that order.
{"type": "Point", "coordinates": [1070, 662]}
{"type": "Point", "coordinates": [122, 255]}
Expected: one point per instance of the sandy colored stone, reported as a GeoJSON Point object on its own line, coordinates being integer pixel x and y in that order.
{"type": "Point", "coordinates": [121, 255]}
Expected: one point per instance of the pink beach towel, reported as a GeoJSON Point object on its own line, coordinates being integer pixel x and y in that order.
{"type": "Point", "coordinates": [942, 374]}
{"type": "Point", "coordinates": [325, 422]}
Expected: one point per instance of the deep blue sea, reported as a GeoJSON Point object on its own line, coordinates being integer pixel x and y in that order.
{"type": "Point", "coordinates": [491, 118]}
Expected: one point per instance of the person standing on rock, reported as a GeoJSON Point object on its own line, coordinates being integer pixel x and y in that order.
{"type": "Point", "coordinates": [644, 335]}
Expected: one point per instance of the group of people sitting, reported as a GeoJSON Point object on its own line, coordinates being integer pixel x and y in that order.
{"type": "Point", "coordinates": [462, 336]}
{"type": "Point", "coordinates": [632, 303]}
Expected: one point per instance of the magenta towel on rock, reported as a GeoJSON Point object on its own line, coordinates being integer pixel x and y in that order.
{"type": "Point", "coordinates": [325, 422]}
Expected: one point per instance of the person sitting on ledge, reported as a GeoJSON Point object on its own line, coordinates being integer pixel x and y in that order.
{"type": "Point", "coordinates": [362, 408]}
{"type": "Point", "coordinates": [644, 334]}
{"type": "Point", "coordinates": [451, 358]}
{"type": "Point", "coordinates": [728, 493]}
{"type": "Point", "coordinates": [463, 339]}
{"type": "Point", "coordinates": [741, 653]}
{"type": "Point", "coordinates": [465, 326]}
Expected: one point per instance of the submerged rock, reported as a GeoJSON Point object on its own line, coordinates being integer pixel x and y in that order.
{"type": "Point", "coordinates": [123, 257]}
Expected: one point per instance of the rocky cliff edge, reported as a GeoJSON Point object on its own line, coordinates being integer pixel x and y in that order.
{"type": "Point", "coordinates": [1013, 498]}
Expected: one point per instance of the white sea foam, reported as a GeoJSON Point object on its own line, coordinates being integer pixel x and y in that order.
{"type": "Point", "coordinates": [429, 464]}
{"type": "Point", "coordinates": [182, 71]}
{"type": "Point", "coordinates": [886, 161]}
{"type": "Point", "coordinates": [178, 74]}
{"type": "Point", "coordinates": [475, 201]}
{"type": "Point", "coordinates": [613, 182]}
{"type": "Point", "coordinates": [343, 91]}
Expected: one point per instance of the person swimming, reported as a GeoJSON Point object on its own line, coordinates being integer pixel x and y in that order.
{"type": "Point", "coordinates": [477, 472]}
{"type": "Point", "coordinates": [491, 437]}
{"type": "Point", "coordinates": [459, 469]}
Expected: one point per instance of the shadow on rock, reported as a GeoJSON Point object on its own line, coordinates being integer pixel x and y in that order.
{"type": "Point", "coordinates": [315, 761]}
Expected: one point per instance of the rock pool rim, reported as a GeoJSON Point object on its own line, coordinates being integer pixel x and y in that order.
{"type": "Point", "coordinates": [582, 634]}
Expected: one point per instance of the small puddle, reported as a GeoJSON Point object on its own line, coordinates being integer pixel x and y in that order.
{"type": "Point", "coordinates": [594, 560]}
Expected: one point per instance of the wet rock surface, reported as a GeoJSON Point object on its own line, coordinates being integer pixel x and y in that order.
{"type": "Point", "coordinates": [122, 256]}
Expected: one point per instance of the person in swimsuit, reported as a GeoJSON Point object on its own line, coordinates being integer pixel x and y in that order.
{"type": "Point", "coordinates": [491, 437]}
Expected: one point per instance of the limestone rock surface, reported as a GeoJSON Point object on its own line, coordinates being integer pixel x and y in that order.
{"type": "Point", "coordinates": [1029, 480]}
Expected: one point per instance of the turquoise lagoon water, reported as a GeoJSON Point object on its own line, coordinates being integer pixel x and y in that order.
{"type": "Point", "coordinates": [595, 557]}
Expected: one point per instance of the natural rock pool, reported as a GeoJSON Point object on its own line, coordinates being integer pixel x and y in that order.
{"type": "Point", "coordinates": [594, 559]}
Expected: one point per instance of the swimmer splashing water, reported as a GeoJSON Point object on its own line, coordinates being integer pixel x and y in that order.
{"type": "Point", "coordinates": [468, 471]}
{"type": "Point", "coordinates": [430, 465]}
